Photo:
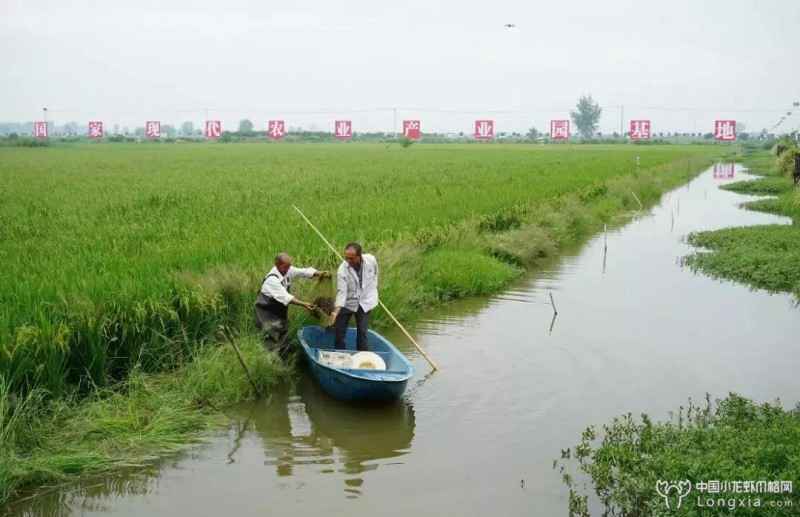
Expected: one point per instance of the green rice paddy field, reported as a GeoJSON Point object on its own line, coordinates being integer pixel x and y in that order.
{"type": "Point", "coordinates": [123, 254]}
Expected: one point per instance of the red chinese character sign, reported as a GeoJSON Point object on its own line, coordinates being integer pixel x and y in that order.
{"type": "Point", "coordinates": [213, 128]}
{"type": "Point", "coordinates": [152, 129]}
{"type": "Point", "coordinates": [640, 130]}
{"type": "Point", "coordinates": [276, 129]}
{"type": "Point", "coordinates": [40, 129]}
{"type": "Point", "coordinates": [559, 129]}
{"type": "Point", "coordinates": [95, 129]}
{"type": "Point", "coordinates": [411, 129]}
{"type": "Point", "coordinates": [484, 129]}
{"type": "Point", "coordinates": [725, 130]}
{"type": "Point", "coordinates": [343, 129]}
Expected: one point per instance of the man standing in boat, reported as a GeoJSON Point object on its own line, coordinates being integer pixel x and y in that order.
{"type": "Point", "coordinates": [356, 294]}
{"type": "Point", "coordinates": [272, 304]}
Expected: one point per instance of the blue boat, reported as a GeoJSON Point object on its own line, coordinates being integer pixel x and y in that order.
{"type": "Point", "coordinates": [350, 384]}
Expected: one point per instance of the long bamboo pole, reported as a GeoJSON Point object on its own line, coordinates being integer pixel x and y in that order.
{"type": "Point", "coordinates": [400, 325]}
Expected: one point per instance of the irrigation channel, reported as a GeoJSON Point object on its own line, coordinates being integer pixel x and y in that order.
{"type": "Point", "coordinates": [636, 331]}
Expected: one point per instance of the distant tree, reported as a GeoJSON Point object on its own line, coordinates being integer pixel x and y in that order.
{"type": "Point", "coordinates": [533, 133]}
{"type": "Point", "coordinates": [187, 128]}
{"type": "Point", "coordinates": [245, 126]}
{"type": "Point", "coordinates": [71, 128]}
{"type": "Point", "coordinates": [587, 116]}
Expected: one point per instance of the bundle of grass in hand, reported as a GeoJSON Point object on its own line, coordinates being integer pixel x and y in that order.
{"type": "Point", "coordinates": [324, 304]}
{"type": "Point", "coordinates": [323, 300]}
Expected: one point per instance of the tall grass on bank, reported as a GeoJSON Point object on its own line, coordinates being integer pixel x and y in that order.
{"type": "Point", "coordinates": [125, 255]}
{"type": "Point", "coordinates": [731, 440]}
{"type": "Point", "coordinates": [765, 256]}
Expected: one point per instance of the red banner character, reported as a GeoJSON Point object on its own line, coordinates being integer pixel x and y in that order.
{"type": "Point", "coordinates": [40, 129]}
{"type": "Point", "coordinates": [213, 128]}
{"type": "Point", "coordinates": [640, 130]}
{"type": "Point", "coordinates": [343, 129]}
{"type": "Point", "coordinates": [484, 129]}
{"type": "Point", "coordinates": [152, 129]}
{"type": "Point", "coordinates": [411, 129]}
{"type": "Point", "coordinates": [95, 129]}
{"type": "Point", "coordinates": [725, 130]}
{"type": "Point", "coordinates": [276, 129]}
{"type": "Point", "coordinates": [559, 129]}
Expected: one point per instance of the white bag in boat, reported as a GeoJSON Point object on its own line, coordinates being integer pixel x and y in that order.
{"type": "Point", "coordinates": [368, 361]}
{"type": "Point", "coordinates": [335, 359]}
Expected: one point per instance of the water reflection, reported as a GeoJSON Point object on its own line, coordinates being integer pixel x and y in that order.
{"type": "Point", "coordinates": [297, 429]}
{"type": "Point", "coordinates": [724, 170]}
{"type": "Point", "coordinates": [304, 427]}
{"type": "Point", "coordinates": [94, 496]}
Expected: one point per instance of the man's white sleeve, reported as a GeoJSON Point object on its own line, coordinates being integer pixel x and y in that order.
{"type": "Point", "coordinates": [273, 288]}
{"type": "Point", "coordinates": [302, 272]}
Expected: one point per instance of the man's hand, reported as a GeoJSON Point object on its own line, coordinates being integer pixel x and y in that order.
{"type": "Point", "coordinates": [305, 305]}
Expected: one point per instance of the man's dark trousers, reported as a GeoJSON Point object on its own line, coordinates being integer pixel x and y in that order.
{"type": "Point", "coordinates": [362, 323]}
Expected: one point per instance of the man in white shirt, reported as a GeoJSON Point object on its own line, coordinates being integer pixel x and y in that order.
{"type": "Point", "coordinates": [356, 293]}
{"type": "Point", "coordinates": [272, 304]}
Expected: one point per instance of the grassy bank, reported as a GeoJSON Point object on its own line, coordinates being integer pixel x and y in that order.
{"type": "Point", "coordinates": [127, 262]}
{"type": "Point", "coordinates": [45, 441]}
{"type": "Point", "coordinates": [731, 440]}
{"type": "Point", "coordinates": [765, 256]}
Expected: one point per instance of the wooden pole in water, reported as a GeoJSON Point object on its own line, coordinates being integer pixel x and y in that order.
{"type": "Point", "coordinates": [553, 303]}
{"type": "Point", "coordinates": [641, 206]}
{"type": "Point", "coordinates": [244, 366]}
{"type": "Point", "coordinates": [400, 325]}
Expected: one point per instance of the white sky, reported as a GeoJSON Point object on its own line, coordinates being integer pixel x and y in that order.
{"type": "Point", "coordinates": [127, 62]}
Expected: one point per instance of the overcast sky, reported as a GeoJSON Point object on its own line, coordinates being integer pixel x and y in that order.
{"type": "Point", "coordinates": [680, 63]}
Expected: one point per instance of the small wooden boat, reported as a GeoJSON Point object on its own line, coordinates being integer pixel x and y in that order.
{"type": "Point", "coordinates": [354, 384]}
